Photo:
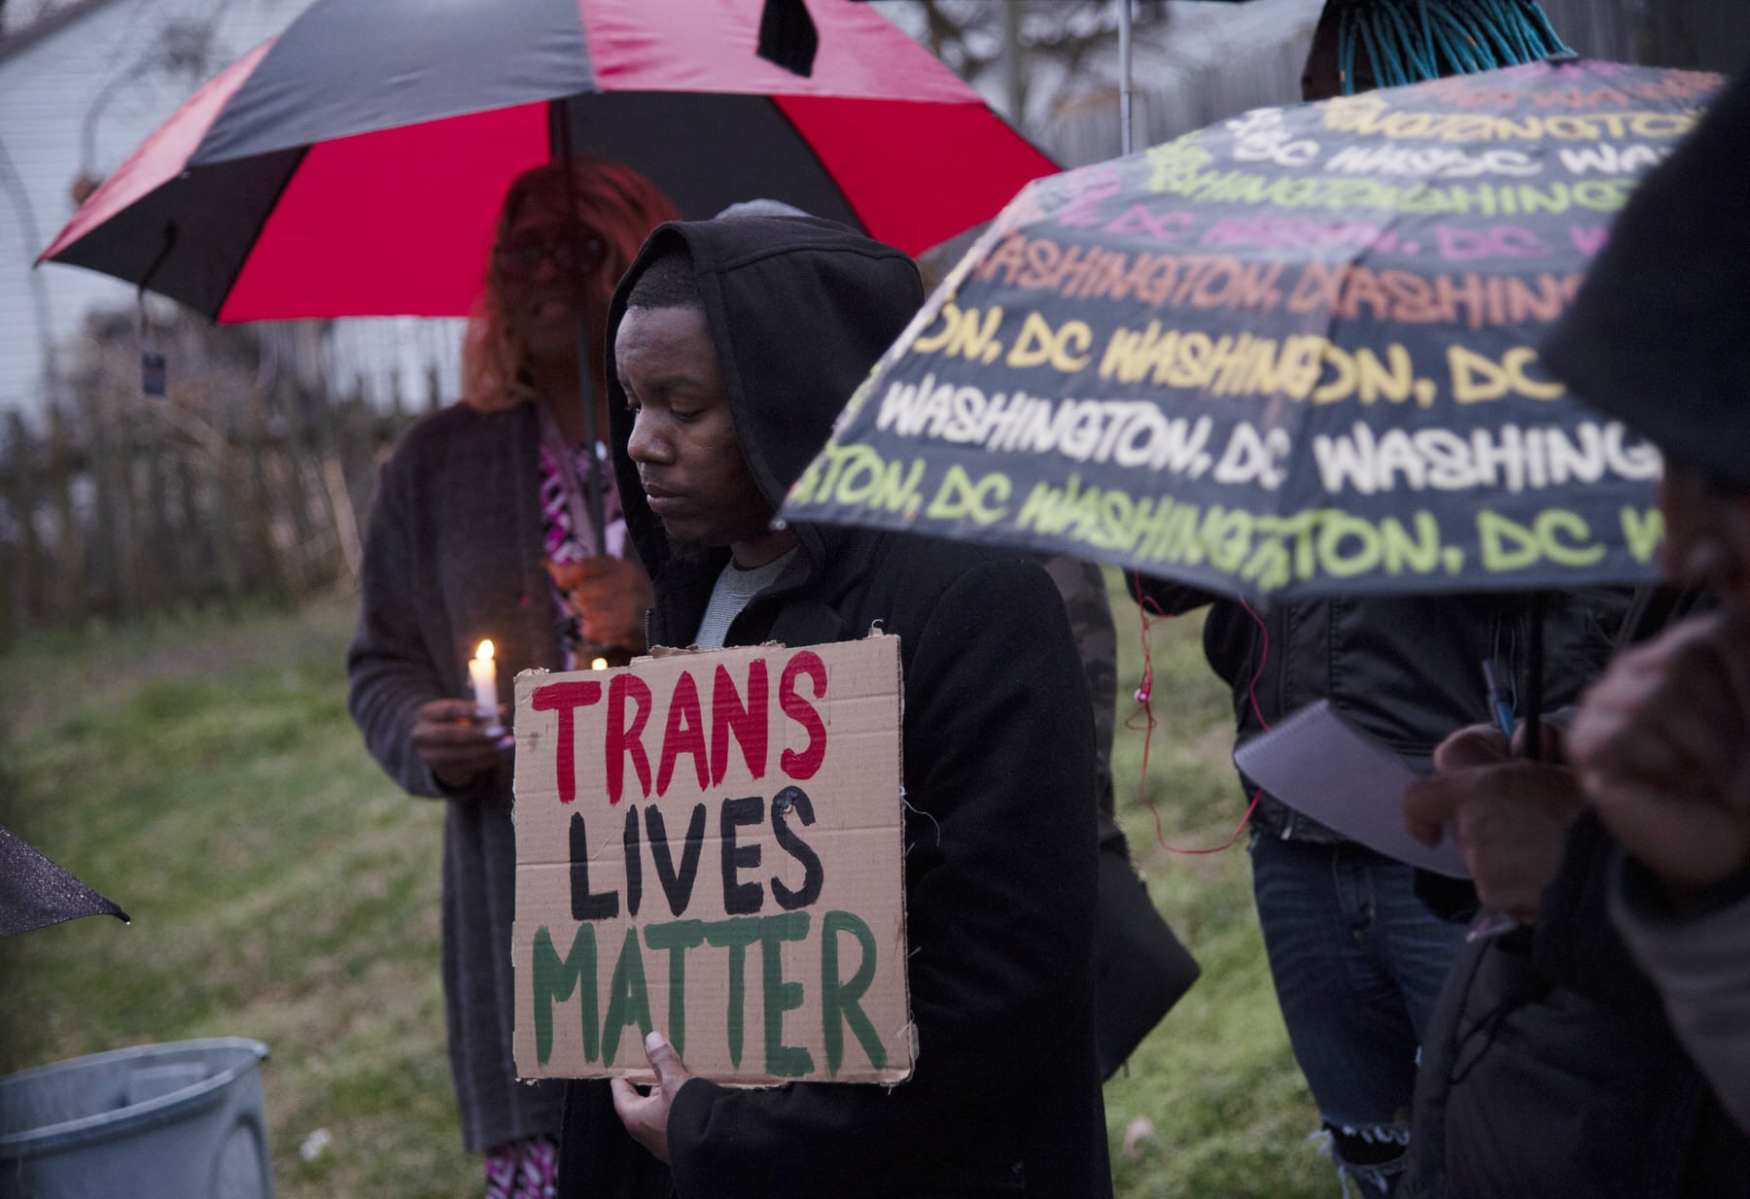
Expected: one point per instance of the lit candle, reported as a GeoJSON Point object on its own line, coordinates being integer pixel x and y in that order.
{"type": "Point", "coordinates": [483, 673]}
{"type": "Point", "coordinates": [598, 664]}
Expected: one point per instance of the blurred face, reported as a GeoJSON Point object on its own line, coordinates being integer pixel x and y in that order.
{"type": "Point", "coordinates": [683, 437]}
{"type": "Point", "coordinates": [1707, 534]}
{"type": "Point", "coordinates": [541, 267]}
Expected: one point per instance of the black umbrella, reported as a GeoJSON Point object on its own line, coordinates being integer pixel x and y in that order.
{"type": "Point", "coordinates": [35, 893]}
{"type": "Point", "coordinates": [1289, 356]}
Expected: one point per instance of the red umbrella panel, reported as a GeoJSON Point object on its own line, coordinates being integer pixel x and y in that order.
{"type": "Point", "coordinates": [354, 165]}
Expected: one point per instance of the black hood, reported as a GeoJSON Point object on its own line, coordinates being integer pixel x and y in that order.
{"type": "Point", "coordinates": [799, 309]}
{"type": "Point", "coordinates": [1660, 332]}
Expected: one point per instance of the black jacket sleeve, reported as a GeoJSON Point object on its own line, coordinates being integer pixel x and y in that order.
{"type": "Point", "coordinates": [1000, 893]}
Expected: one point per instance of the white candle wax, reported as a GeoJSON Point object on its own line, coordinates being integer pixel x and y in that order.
{"type": "Point", "coordinates": [483, 673]}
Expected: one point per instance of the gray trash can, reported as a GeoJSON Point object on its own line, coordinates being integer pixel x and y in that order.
{"type": "Point", "coordinates": [177, 1121]}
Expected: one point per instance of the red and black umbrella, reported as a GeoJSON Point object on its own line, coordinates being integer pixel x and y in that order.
{"type": "Point", "coordinates": [354, 165]}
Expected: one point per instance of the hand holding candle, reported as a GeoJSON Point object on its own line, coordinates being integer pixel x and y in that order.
{"type": "Point", "coordinates": [457, 741]}
{"type": "Point", "coordinates": [608, 596]}
{"type": "Point", "coordinates": [460, 738]}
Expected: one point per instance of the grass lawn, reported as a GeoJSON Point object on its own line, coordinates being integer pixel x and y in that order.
{"type": "Point", "coordinates": [206, 776]}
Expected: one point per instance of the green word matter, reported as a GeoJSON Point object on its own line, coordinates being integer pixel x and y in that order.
{"type": "Point", "coordinates": [556, 979]}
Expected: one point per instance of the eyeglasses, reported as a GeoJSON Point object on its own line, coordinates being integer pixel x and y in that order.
{"type": "Point", "coordinates": [567, 254]}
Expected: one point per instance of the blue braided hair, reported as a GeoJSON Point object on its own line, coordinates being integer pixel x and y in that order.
{"type": "Point", "coordinates": [1406, 41]}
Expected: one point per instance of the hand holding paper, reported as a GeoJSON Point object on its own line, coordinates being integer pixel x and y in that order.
{"type": "Point", "coordinates": [1508, 816]}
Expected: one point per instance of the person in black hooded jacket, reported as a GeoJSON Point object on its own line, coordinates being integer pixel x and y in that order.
{"type": "Point", "coordinates": [736, 342]}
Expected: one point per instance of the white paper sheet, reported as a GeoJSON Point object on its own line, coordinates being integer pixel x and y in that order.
{"type": "Point", "coordinates": [1317, 764]}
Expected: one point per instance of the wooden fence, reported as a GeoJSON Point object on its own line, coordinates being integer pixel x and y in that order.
{"type": "Point", "coordinates": [115, 507]}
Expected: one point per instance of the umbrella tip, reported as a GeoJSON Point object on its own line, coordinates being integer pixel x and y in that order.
{"type": "Point", "coordinates": [788, 36]}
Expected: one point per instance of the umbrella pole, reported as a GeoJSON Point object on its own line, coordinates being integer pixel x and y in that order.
{"type": "Point", "coordinates": [592, 484]}
{"type": "Point", "coordinates": [1124, 135]}
{"type": "Point", "coordinates": [1534, 681]}
{"type": "Point", "coordinates": [559, 147]}
{"type": "Point", "coordinates": [152, 364]}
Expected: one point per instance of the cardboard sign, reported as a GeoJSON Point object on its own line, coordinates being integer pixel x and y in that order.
{"type": "Point", "coordinates": [709, 844]}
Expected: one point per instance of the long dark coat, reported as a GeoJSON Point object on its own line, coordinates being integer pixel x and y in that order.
{"type": "Point", "coordinates": [453, 555]}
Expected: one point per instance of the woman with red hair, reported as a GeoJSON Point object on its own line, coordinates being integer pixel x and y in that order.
{"type": "Point", "coordinates": [482, 530]}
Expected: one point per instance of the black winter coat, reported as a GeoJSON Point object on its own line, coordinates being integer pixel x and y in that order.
{"type": "Point", "coordinates": [1407, 671]}
{"type": "Point", "coordinates": [1000, 865]}
{"type": "Point", "coordinates": [1550, 1067]}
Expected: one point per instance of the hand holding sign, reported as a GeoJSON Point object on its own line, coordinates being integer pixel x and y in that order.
{"type": "Point", "coordinates": [646, 1116]}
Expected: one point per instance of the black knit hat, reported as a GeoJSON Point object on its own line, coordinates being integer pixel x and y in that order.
{"type": "Point", "coordinates": [1659, 335]}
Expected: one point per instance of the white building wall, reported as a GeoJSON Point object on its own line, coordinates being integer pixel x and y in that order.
{"type": "Point", "coordinates": [107, 70]}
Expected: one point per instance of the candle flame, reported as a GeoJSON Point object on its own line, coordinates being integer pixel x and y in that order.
{"type": "Point", "coordinates": [598, 664]}
{"type": "Point", "coordinates": [484, 653]}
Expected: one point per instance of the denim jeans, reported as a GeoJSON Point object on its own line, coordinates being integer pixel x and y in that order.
{"type": "Point", "coordinates": [1358, 962]}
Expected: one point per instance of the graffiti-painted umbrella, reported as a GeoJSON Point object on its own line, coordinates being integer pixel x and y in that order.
{"type": "Point", "coordinates": [35, 893]}
{"type": "Point", "coordinates": [1290, 355]}
{"type": "Point", "coordinates": [354, 165]}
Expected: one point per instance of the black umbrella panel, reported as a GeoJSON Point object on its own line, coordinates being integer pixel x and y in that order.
{"type": "Point", "coordinates": [35, 893]}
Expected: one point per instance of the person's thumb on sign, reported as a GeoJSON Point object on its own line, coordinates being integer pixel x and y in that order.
{"type": "Point", "coordinates": [646, 1116]}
